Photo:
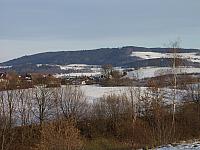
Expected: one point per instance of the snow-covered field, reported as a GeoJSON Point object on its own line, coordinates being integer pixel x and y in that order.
{"type": "Point", "coordinates": [182, 146]}
{"type": "Point", "coordinates": [93, 92]}
{"type": "Point", "coordinates": [148, 55]}
{"type": "Point", "coordinates": [79, 70]}
{"type": "Point", "coordinates": [88, 74]}
{"type": "Point", "coordinates": [194, 57]}
{"type": "Point", "coordinates": [148, 72]}
{"type": "Point", "coordinates": [145, 72]}
{"type": "Point", "coordinates": [78, 67]}
{"type": "Point", "coordinates": [5, 67]}
{"type": "Point", "coordinates": [73, 67]}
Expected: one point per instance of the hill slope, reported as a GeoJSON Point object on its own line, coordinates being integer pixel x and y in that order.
{"type": "Point", "coordinates": [129, 56]}
{"type": "Point", "coordinates": [114, 56]}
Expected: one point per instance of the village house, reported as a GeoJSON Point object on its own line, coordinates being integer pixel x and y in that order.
{"type": "Point", "coordinates": [27, 77]}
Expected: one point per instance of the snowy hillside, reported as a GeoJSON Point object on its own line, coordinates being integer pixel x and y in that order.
{"type": "Point", "coordinates": [194, 57]}
{"type": "Point", "coordinates": [143, 72]}
{"type": "Point", "coordinates": [152, 71]}
{"type": "Point", "coordinates": [89, 62]}
{"type": "Point", "coordinates": [149, 72]}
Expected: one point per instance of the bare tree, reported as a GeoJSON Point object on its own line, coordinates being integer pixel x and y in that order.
{"type": "Point", "coordinates": [10, 96]}
{"type": "Point", "coordinates": [134, 95]}
{"type": "Point", "coordinates": [113, 112]}
{"type": "Point", "coordinates": [72, 102]}
{"type": "Point", "coordinates": [176, 61]}
{"type": "Point", "coordinates": [107, 70]}
{"type": "Point", "coordinates": [24, 105]}
{"type": "Point", "coordinates": [43, 103]}
{"type": "Point", "coordinates": [6, 116]}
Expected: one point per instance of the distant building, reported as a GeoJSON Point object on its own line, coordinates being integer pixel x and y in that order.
{"type": "Point", "coordinates": [26, 77]}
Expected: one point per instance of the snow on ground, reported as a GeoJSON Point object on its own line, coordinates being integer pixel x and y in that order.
{"type": "Point", "coordinates": [50, 65]}
{"type": "Point", "coordinates": [148, 72]}
{"type": "Point", "coordinates": [153, 55]}
{"type": "Point", "coordinates": [148, 55]}
{"type": "Point", "coordinates": [5, 67]}
{"type": "Point", "coordinates": [79, 70]}
{"type": "Point", "coordinates": [73, 66]}
{"type": "Point", "coordinates": [39, 65]}
{"type": "Point", "coordinates": [120, 69]}
{"type": "Point", "coordinates": [88, 74]}
{"type": "Point", "coordinates": [84, 74]}
{"type": "Point", "coordinates": [190, 56]}
{"type": "Point", "coordinates": [96, 69]}
{"type": "Point", "coordinates": [78, 67]}
{"type": "Point", "coordinates": [183, 146]}
{"type": "Point", "coordinates": [94, 92]}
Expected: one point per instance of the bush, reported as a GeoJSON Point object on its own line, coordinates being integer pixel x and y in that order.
{"type": "Point", "coordinates": [61, 135]}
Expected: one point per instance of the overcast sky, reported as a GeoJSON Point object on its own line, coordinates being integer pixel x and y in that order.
{"type": "Point", "coordinates": [32, 26]}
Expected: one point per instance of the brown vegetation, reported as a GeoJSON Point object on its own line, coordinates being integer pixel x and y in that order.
{"type": "Point", "coordinates": [61, 118]}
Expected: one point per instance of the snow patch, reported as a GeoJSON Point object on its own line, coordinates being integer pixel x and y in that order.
{"type": "Point", "coordinates": [78, 67]}
{"type": "Point", "coordinates": [194, 57]}
{"type": "Point", "coordinates": [183, 146]}
{"type": "Point", "coordinates": [88, 74]}
{"type": "Point", "coordinates": [148, 72]}
{"type": "Point", "coordinates": [5, 67]}
{"type": "Point", "coordinates": [148, 55]}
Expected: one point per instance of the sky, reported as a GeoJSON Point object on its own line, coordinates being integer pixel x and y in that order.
{"type": "Point", "coordinates": [33, 26]}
